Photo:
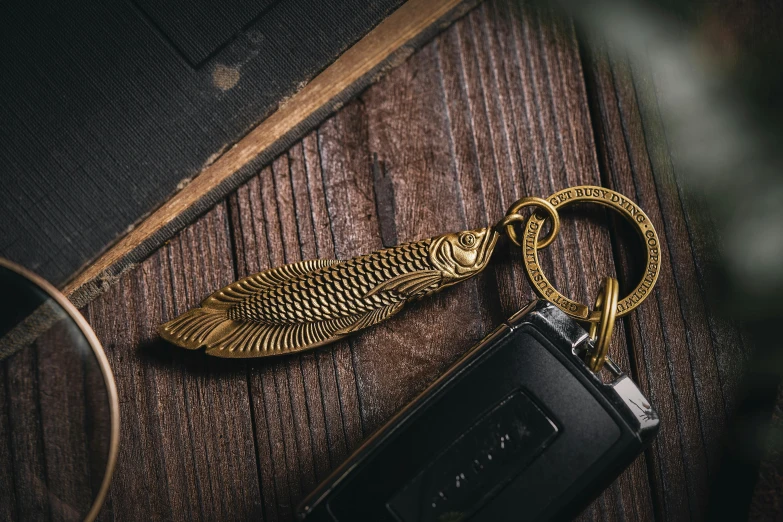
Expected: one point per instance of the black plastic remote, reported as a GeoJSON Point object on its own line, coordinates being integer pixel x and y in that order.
{"type": "Point", "coordinates": [518, 429]}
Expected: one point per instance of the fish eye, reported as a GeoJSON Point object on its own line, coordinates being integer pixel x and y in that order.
{"type": "Point", "coordinates": [467, 240]}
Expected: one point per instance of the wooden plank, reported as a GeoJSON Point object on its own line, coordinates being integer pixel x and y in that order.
{"type": "Point", "coordinates": [58, 422]}
{"type": "Point", "coordinates": [61, 383]}
{"type": "Point", "coordinates": [9, 509]}
{"type": "Point", "coordinates": [55, 449]}
{"type": "Point", "coordinates": [187, 449]}
{"type": "Point", "coordinates": [687, 358]}
{"type": "Point", "coordinates": [25, 436]}
{"type": "Point", "coordinates": [309, 406]}
{"type": "Point", "coordinates": [514, 73]}
{"type": "Point", "coordinates": [405, 134]}
{"type": "Point", "coordinates": [394, 38]}
{"type": "Point", "coordinates": [767, 498]}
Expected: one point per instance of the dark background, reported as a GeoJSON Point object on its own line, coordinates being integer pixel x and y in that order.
{"type": "Point", "coordinates": [107, 107]}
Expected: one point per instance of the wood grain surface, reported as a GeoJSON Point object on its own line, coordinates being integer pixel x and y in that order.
{"type": "Point", "coordinates": [55, 428]}
{"type": "Point", "coordinates": [689, 359]}
{"type": "Point", "coordinates": [501, 105]}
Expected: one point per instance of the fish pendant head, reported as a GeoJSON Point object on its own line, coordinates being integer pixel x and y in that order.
{"type": "Point", "coordinates": [460, 255]}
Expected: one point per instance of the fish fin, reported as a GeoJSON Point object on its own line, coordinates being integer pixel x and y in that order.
{"type": "Point", "coordinates": [252, 339]}
{"type": "Point", "coordinates": [191, 329]}
{"type": "Point", "coordinates": [372, 317]}
{"type": "Point", "coordinates": [254, 284]}
{"type": "Point", "coordinates": [409, 284]}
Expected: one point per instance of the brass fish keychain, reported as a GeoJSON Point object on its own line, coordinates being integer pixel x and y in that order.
{"type": "Point", "coordinates": [310, 303]}
{"type": "Point", "coordinates": [307, 304]}
{"type": "Point", "coordinates": [525, 402]}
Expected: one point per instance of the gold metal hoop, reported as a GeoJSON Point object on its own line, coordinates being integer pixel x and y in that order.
{"type": "Point", "coordinates": [626, 208]}
{"type": "Point", "coordinates": [606, 304]}
{"type": "Point", "coordinates": [512, 217]}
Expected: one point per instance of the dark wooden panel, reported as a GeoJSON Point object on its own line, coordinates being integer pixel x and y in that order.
{"type": "Point", "coordinates": [9, 507]}
{"type": "Point", "coordinates": [186, 424]}
{"type": "Point", "coordinates": [529, 133]}
{"type": "Point", "coordinates": [308, 403]}
{"type": "Point", "coordinates": [25, 436]}
{"type": "Point", "coordinates": [767, 499]}
{"type": "Point", "coordinates": [493, 109]}
{"type": "Point", "coordinates": [408, 134]}
{"type": "Point", "coordinates": [54, 440]}
{"type": "Point", "coordinates": [60, 380]}
{"type": "Point", "coordinates": [687, 358]}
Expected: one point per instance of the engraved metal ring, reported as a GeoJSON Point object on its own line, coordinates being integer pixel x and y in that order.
{"type": "Point", "coordinates": [601, 332]}
{"type": "Point", "coordinates": [512, 217]}
{"type": "Point", "coordinates": [607, 198]}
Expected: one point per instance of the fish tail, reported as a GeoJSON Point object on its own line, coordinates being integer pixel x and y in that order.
{"type": "Point", "coordinates": [209, 326]}
{"type": "Point", "coordinates": [192, 329]}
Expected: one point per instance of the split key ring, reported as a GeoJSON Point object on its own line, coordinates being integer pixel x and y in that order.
{"type": "Point", "coordinates": [607, 198]}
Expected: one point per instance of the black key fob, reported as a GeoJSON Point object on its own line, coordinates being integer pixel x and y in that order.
{"type": "Point", "coordinates": [518, 429]}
